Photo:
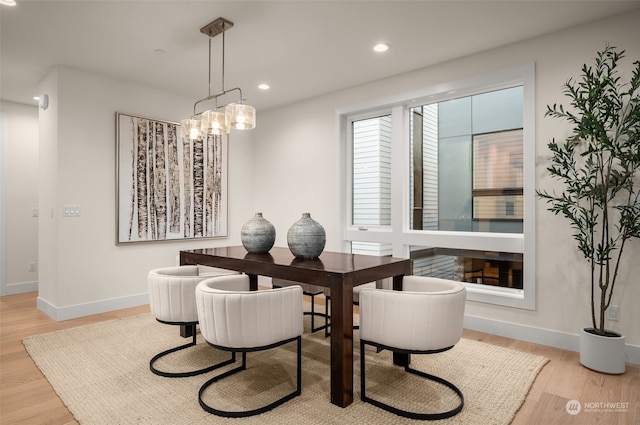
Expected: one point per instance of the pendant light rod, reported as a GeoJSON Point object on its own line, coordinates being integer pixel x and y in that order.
{"type": "Point", "coordinates": [212, 29]}
{"type": "Point", "coordinates": [223, 29]}
{"type": "Point", "coordinates": [210, 68]}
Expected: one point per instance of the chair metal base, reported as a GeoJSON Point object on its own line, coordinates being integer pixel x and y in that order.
{"type": "Point", "coordinates": [401, 412]}
{"type": "Point", "coordinates": [253, 412]}
{"type": "Point", "coordinates": [192, 327]}
{"type": "Point", "coordinates": [313, 313]}
{"type": "Point", "coordinates": [327, 332]}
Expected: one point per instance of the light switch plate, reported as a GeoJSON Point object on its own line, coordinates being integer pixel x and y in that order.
{"type": "Point", "coordinates": [71, 210]}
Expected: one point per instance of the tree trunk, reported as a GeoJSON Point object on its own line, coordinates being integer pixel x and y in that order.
{"type": "Point", "coordinates": [160, 178]}
{"type": "Point", "coordinates": [141, 178]}
{"type": "Point", "coordinates": [210, 164]}
{"type": "Point", "coordinates": [174, 180]}
{"type": "Point", "coordinates": [198, 188]}
{"type": "Point", "coordinates": [186, 156]}
{"type": "Point", "coordinates": [132, 193]}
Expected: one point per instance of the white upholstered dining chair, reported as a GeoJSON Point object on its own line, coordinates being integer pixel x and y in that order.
{"type": "Point", "coordinates": [233, 318]}
{"type": "Point", "coordinates": [173, 302]}
{"type": "Point", "coordinates": [426, 317]}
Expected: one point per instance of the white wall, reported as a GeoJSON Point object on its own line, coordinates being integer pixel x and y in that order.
{"type": "Point", "coordinates": [296, 168]}
{"type": "Point", "coordinates": [299, 167]}
{"type": "Point", "coordinates": [19, 194]}
{"type": "Point", "coordinates": [82, 269]}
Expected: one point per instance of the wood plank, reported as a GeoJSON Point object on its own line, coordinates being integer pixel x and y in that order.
{"type": "Point", "coordinates": [549, 410]}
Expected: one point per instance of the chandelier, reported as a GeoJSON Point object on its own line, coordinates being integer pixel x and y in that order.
{"type": "Point", "coordinates": [222, 118]}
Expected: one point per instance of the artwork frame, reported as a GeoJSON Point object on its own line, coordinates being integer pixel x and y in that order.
{"type": "Point", "coordinates": [168, 187]}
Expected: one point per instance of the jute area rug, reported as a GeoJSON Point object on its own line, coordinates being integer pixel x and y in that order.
{"type": "Point", "coordinates": [101, 373]}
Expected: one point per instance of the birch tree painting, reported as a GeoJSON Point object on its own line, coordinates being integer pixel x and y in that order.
{"type": "Point", "coordinates": [169, 187]}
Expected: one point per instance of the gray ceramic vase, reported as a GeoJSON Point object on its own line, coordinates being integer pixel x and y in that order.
{"type": "Point", "coordinates": [258, 235]}
{"type": "Point", "coordinates": [306, 238]}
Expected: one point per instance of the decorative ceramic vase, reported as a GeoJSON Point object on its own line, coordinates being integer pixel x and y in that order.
{"type": "Point", "coordinates": [258, 235]}
{"type": "Point", "coordinates": [306, 238]}
{"type": "Point", "coordinates": [602, 353]}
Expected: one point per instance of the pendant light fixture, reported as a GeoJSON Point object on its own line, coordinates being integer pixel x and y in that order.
{"type": "Point", "coordinates": [222, 118]}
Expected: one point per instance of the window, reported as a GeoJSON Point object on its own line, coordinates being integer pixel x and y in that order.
{"type": "Point", "coordinates": [466, 163]}
{"type": "Point", "coordinates": [449, 182]}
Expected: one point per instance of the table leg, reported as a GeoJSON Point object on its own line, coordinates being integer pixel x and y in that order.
{"type": "Point", "coordinates": [342, 344]}
{"type": "Point", "coordinates": [253, 282]}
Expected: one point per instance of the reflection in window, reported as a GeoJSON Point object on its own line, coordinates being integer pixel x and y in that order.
{"type": "Point", "coordinates": [466, 167]}
{"type": "Point", "coordinates": [372, 248]}
{"type": "Point", "coordinates": [472, 266]}
{"type": "Point", "coordinates": [498, 181]}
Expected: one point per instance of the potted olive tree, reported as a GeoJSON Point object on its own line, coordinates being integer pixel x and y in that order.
{"type": "Point", "coordinates": [598, 165]}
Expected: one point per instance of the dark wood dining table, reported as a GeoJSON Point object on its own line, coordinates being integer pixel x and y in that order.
{"type": "Point", "coordinates": [338, 271]}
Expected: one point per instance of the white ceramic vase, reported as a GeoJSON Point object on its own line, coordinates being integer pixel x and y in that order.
{"type": "Point", "coordinates": [306, 238]}
{"type": "Point", "coordinates": [602, 353]}
{"type": "Point", "coordinates": [258, 235]}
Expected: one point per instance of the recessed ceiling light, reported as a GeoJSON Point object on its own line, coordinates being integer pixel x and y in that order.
{"type": "Point", "coordinates": [264, 86]}
{"type": "Point", "coordinates": [381, 47]}
{"type": "Point", "coordinates": [8, 2]}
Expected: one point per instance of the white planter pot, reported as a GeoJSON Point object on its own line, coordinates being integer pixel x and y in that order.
{"type": "Point", "coordinates": [602, 353]}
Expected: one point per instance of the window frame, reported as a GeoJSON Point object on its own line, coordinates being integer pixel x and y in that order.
{"type": "Point", "coordinates": [399, 234]}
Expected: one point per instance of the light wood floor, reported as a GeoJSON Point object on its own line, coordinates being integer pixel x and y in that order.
{"type": "Point", "coordinates": [27, 398]}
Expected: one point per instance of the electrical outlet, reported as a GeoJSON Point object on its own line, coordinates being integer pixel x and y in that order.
{"type": "Point", "coordinates": [613, 313]}
{"type": "Point", "coordinates": [32, 266]}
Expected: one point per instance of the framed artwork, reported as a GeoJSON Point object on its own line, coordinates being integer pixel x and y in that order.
{"type": "Point", "coordinates": [169, 187]}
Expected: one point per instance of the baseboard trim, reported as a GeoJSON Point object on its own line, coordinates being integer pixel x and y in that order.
{"type": "Point", "coordinates": [535, 335]}
{"type": "Point", "coordinates": [81, 310]}
{"type": "Point", "coordinates": [20, 288]}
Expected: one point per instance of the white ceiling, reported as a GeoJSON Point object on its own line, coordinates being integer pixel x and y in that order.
{"type": "Point", "coordinates": [301, 48]}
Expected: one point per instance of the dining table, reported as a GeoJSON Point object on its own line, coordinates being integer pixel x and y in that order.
{"type": "Point", "coordinates": [338, 271]}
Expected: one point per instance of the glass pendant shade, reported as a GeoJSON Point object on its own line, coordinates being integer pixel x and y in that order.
{"type": "Point", "coordinates": [241, 116]}
{"type": "Point", "coordinates": [191, 127]}
{"type": "Point", "coordinates": [214, 122]}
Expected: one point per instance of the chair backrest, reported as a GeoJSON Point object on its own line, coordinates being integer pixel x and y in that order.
{"type": "Point", "coordinates": [427, 315]}
{"type": "Point", "coordinates": [232, 316]}
{"type": "Point", "coordinates": [172, 293]}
